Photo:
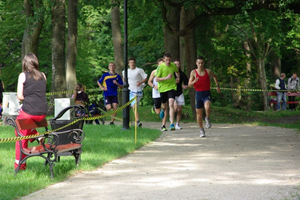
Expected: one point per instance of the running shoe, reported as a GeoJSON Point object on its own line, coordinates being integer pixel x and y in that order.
{"type": "Point", "coordinates": [152, 109]}
{"type": "Point", "coordinates": [207, 122]}
{"type": "Point", "coordinates": [111, 123]}
{"type": "Point", "coordinates": [172, 127]}
{"type": "Point", "coordinates": [177, 127]}
{"type": "Point", "coordinates": [139, 124]}
{"type": "Point", "coordinates": [163, 128]}
{"type": "Point", "coordinates": [202, 132]}
{"type": "Point", "coordinates": [161, 114]}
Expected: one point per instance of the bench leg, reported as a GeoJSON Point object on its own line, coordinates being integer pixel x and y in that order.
{"type": "Point", "coordinates": [19, 165]}
{"type": "Point", "coordinates": [50, 161]}
{"type": "Point", "coordinates": [51, 169]}
{"type": "Point", "coordinates": [77, 158]}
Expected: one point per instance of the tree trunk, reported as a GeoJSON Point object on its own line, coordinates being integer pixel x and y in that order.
{"type": "Point", "coordinates": [171, 40]}
{"type": "Point", "coordinates": [33, 29]}
{"type": "Point", "coordinates": [235, 94]}
{"type": "Point", "coordinates": [117, 40]}
{"type": "Point", "coordinates": [58, 48]}
{"type": "Point", "coordinates": [246, 98]}
{"type": "Point", "coordinates": [190, 52]}
{"type": "Point", "coordinates": [71, 79]}
{"type": "Point", "coordinates": [117, 37]}
{"type": "Point", "coordinates": [181, 39]}
{"type": "Point", "coordinates": [275, 64]}
{"type": "Point", "coordinates": [260, 64]}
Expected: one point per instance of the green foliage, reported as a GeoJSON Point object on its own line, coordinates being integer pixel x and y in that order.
{"type": "Point", "coordinates": [145, 32]}
{"type": "Point", "coordinates": [12, 21]}
{"type": "Point", "coordinates": [217, 38]}
{"type": "Point", "coordinates": [95, 48]}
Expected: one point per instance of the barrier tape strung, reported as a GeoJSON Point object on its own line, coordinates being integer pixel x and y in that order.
{"type": "Point", "coordinates": [255, 90]}
{"type": "Point", "coordinates": [68, 92]}
{"type": "Point", "coordinates": [117, 118]}
{"type": "Point", "coordinates": [60, 92]}
{"type": "Point", "coordinates": [3, 140]}
{"type": "Point", "coordinates": [6, 140]}
{"type": "Point", "coordinates": [149, 88]}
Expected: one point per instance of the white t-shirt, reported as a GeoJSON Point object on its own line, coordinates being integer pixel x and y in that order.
{"type": "Point", "coordinates": [135, 75]}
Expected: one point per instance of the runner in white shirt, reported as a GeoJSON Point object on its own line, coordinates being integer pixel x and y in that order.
{"type": "Point", "coordinates": [136, 80]}
{"type": "Point", "coordinates": [156, 96]}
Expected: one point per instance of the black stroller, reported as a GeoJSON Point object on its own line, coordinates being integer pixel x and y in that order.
{"type": "Point", "coordinates": [93, 111]}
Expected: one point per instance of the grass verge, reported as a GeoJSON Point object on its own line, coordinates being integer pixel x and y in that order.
{"type": "Point", "coordinates": [101, 144]}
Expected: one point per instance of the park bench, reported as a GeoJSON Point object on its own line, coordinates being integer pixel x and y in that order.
{"type": "Point", "coordinates": [63, 142]}
{"type": "Point", "coordinates": [273, 102]}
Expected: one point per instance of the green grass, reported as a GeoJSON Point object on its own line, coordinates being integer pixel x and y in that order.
{"type": "Point", "coordinates": [101, 144]}
{"type": "Point", "coordinates": [105, 143]}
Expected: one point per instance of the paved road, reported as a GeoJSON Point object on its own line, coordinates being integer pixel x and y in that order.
{"type": "Point", "coordinates": [233, 162]}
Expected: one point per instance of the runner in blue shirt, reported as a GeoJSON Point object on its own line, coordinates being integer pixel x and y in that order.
{"type": "Point", "coordinates": [109, 83]}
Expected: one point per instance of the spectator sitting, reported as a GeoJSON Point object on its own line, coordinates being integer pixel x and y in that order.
{"type": "Point", "coordinates": [81, 98]}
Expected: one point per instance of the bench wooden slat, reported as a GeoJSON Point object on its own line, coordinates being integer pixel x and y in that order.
{"type": "Point", "coordinates": [29, 123]}
{"type": "Point", "coordinates": [60, 148]}
{"type": "Point", "coordinates": [292, 94]}
{"type": "Point", "coordinates": [292, 102]}
{"type": "Point", "coordinates": [288, 102]}
{"type": "Point", "coordinates": [272, 94]}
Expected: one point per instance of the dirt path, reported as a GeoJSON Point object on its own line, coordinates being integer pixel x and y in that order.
{"type": "Point", "coordinates": [232, 162]}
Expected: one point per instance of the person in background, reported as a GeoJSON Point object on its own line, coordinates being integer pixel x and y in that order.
{"type": "Point", "coordinates": [1, 90]}
{"type": "Point", "coordinates": [32, 91]}
{"type": "Point", "coordinates": [293, 87]}
{"type": "Point", "coordinates": [136, 80]}
{"type": "Point", "coordinates": [164, 75]}
{"type": "Point", "coordinates": [109, 83]}
{"type": "Point", "coordinates": [281, 94]}
{"type": "Point", "coordinates": [200, 80]}
{"type": "Point", "coordinates": [179, 97]}
{"type": "Point", "coordinates": [80, 97]}
{"type": "Point", "coordinates": [156, 96]}
{"type": "Point", "coordinates": [1, 96]}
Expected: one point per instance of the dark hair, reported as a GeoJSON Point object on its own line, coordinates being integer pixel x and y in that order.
{"type": "Point", "coordinates": [168, 55]}
{"type": "Point", "coordinates": [31, 64]}
{"type": "Point", "coordinates": [282, 75]}
{"type": "Point", "coordinates": [177, 59]}
{"type": "Point", "coordinates": [80, 85]}
{"type": "Point", "coordinates": [200, 58]}
{"type": "Point", "coordinates": [160, 59]}
{"type": "Point", "coordinates": [131, 58]}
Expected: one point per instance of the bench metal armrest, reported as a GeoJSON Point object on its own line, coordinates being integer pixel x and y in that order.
{"type": "Point", "coordinates": [74, 108]}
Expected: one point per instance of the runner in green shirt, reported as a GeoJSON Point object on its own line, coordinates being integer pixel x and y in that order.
{"type": "Point", "coordinates": [167, 86]}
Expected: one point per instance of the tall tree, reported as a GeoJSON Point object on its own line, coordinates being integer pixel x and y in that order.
{"type": "Point", "coordinates": [172, 16]}
{"type": "Point", "coordinates": [117, 36]}
{"type": "Point", "coordinates": [190, 50]}
{"type": "Point", "coordinates": [117, 39]}
{"type": "Point", "coordinates": [58, 46]}
{"type": "Point", "coordinates": [34, 23]}
{"type": "Point", "coordinates": [71, 79]}
{"type": "Point", "coordinates": [261, 35]}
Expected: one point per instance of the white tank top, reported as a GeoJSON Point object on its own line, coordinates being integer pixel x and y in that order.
{"type": "Point", "coordinates": [155, 93]}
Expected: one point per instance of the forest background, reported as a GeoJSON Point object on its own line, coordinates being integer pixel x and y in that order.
{"type": "Point", "coordinates": [247, 43]}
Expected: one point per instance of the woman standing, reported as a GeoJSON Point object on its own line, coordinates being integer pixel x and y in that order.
{"type": "Point", "coordinates": [32, 91]}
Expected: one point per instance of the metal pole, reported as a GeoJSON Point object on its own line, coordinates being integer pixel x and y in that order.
{"type": "Point", "coordinates": [125, 87]}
